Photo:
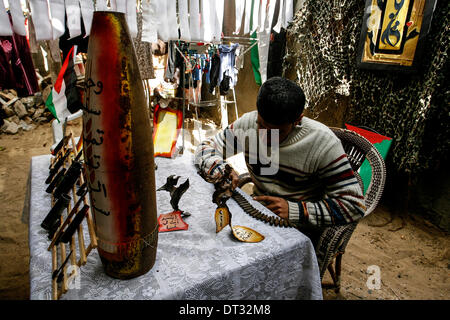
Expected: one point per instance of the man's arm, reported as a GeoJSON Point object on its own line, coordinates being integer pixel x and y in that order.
{"type": "Point", "coordinates": [343, 201]}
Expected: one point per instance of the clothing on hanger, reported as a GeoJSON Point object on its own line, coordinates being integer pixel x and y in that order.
{"type": "Point", "coordinates": [227, 63]}
{"type": "Point", "coordinates": [16, 65]}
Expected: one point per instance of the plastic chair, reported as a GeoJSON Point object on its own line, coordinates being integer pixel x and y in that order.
{"type": "Point", "coordinates": [333, 240]}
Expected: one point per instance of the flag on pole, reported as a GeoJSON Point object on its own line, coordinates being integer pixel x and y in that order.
{"type": "Point", "coordinates": [64, 99]}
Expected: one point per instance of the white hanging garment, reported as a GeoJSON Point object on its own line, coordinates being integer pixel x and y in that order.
{"type": "Point", "coordinates": [149, 21]}
{"type": "Point", "coordinates": [217, 20]}
{"type": "Point", "coordinates": [87, 12]}
{"type": "Point", "coordinates": [5, 25]}
{"type": "Point", "coordinates": [255, 20]}
{"type": "Point", "coordinates": [262, 14]}
{"type": "Point", "coordinates": [118, 5]}
{"type": "Point", "coordinates": [281, 17]}
{"type": "Point", "coordinates": [183, 15]}
{"type": "Point", "coordinates": [73, 13]}
{"type": "Point", "coordinates": [172, 19]}
{"type": "Point", "coordinates": [41, 19]}
{"type": "Point", "coordinates": [264, 40]}
{"type": "Point", "coordinates": [247, 15]}
{"type": "Point", "coordinates": [289, 12]}
{"type": "Point", "coordinates": [100, 5]}
{"type": "Point", "coordinates": [17, 17]}
{"type": "Point", "coordinates": [112, 6]}
{"type": "Point", "coordinates": [161, 21]}
{"type": "Point", "coordinates": [239, 6]}
{"type": "Point", "coordinates": [131, 17]}
{"type": "Point", "coordinates": [205, 26]}
{"type": "Point", "coordinates": [194, 20]}
{"type": "Point", "coordinates": [58, 13]}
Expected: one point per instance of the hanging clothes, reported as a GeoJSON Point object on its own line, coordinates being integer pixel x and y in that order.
{"type": "Point", "coordinates": [16, 65]}
{"type": "Point", "coordinates": [228, 70]}
{"type": "Point", "coordinates": [17, 17]}
{"type": "Point", "coordinates": [73, 14]}
{"type": "Point", "coordinates": [214, 72]}
{"type": "Point", "coordinates": [41, 18]}
{"type": "Point", "coordinates": [194, 20]}
{"type": "Point", "coordinates": [266, 19]}
{"type": "Point", "coordinates": [5, 26]}
{"type": "Point", "coordinates": [66, 42]}
{"type": "Point", "coordinates": [176, 65]}
{"type": "Point", "coordinates": [87, 12]}
{"type": "Point", "coordinates": [183, 14]}
{"type": "Point", "coordinates": [277, 50]}
{"type": "Point", "coordinates": [149, 21]}
{"type": "Point", "coordinates": [58, 13]}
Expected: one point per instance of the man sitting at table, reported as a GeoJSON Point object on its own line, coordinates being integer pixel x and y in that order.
{"type": "Point", "coordinates": [314, 185]}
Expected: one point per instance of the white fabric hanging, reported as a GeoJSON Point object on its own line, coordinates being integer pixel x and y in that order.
{"type": "Point", "coordinates": [73, 13]}
{"type": "Point", "coordinates": [289, 12]}
{"type": "Point", "coordinates": [87, 12]}
{"type": "Point", "coordinates": [58, 14]}
{"type": "Point", "coordinates": [131, 17]}
{"type": "Point", "coordinates": [183, 15]}
{"type": "Point", "coordinates": [100, 5]}
{"type": "Point", "coordinates": [194, 20]}
{"type": "Point", "coordinates": [239, 6]}
{"type": "Point", "coordinates": [5, 25]}
{"type": "Point", "coordinates": [172, 19]}
{"type": "Point", "coordinates": [41, 19]}
{"type": "Point", "coordinates": [17, 17]}
{"type": "Point", "coordinates": [255, 20]}
{"type": "Point", "coordinates": [205, 26]}
{"type": "Point", "coordinates": [281, 17]}
{"type": "Point", "coordinates": [149, 21]}
{"type": "Point", "coordinates": [118, 5]}
{"type": "Point", "coordinates": [162, 26]}
{"type": "Point", "coordinates": [217, 20]}
{"type": "Point", "coordinates": [247, 15]}
{"type": "Point", "coordinates": [262, 15]}
{"type": "Point", "coordinates": [264, 40]}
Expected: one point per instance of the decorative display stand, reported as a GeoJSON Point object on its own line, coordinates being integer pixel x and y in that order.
{"type": "Point", "coordinates": [65, 225]}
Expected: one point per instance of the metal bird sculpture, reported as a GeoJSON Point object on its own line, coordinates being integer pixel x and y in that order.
{"type": "Point", "coordinates": [175, 192]}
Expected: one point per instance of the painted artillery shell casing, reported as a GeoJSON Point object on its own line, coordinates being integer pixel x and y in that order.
{"type": "Point", "coordinates": [55, 212]}
{"type": "Point", "coordinates": [118, 148]}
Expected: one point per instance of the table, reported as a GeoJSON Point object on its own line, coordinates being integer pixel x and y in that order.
{"type": "Point", "coordinates": [191, 264]}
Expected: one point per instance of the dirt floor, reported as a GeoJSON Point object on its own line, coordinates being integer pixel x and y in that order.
{"type": "Point", "coordinates": [413, 260]}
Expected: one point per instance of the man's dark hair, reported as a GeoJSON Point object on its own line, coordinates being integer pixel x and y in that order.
{"type": "Point", "coordinates": [280, 101]}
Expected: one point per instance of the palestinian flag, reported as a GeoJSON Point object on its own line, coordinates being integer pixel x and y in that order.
{"type": "Point", "coordinates": [380, 142]}
{"type": "Point", "coordinates": [64, 98]}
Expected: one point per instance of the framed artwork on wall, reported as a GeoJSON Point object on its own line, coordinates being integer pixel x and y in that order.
{"type": "Point", "coordinates": [393, 32]}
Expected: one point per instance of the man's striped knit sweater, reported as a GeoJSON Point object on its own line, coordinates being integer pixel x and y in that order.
{"type": "Point", "coordinates": [314, 175]}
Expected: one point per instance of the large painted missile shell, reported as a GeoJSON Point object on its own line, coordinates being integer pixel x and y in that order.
{"type": "Point", "coordinates": [118, 151]}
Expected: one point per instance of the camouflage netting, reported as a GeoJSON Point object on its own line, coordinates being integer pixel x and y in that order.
{"type": "Point", "coordinates": [412, 109]}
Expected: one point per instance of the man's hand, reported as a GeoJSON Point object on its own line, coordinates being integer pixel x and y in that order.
{"type": "Point", "coordinates": [234, 179]}
{"type": "Point", "coordinates": [277, 205]}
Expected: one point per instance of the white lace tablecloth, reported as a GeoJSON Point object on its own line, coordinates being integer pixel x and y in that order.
{"type": "Point", "coordinates": [192, 264]}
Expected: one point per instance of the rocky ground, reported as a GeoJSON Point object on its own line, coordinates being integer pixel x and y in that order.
{"type": "Point", "coordinates": [412, 255]}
